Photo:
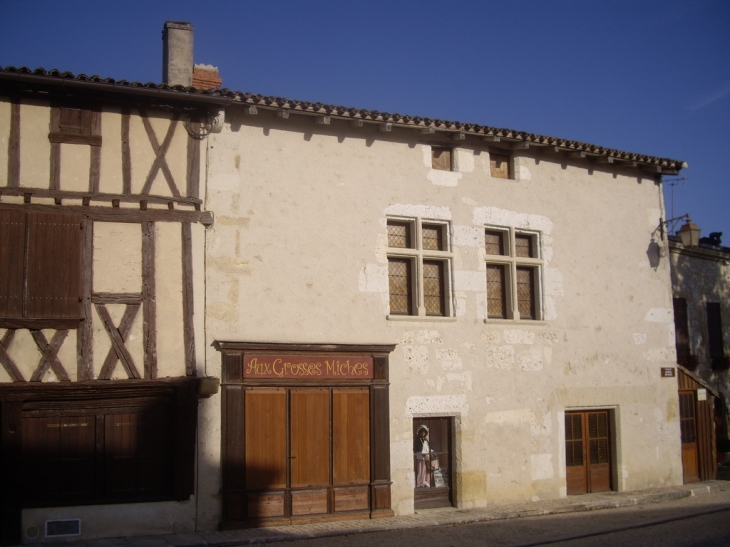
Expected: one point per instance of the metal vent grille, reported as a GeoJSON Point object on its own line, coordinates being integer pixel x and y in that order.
{"type": "Point", "coordinates": [63, 528]}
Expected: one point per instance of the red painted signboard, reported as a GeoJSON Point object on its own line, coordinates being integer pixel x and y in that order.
{"type": "Point", "coordinates": [306, 367]}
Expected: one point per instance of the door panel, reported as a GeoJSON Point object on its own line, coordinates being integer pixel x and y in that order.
{"type": "Point", "coordinates": [587, 452]}
{"type": "Point", "coordinates": [265, 439]}
{"type": "Point", "coordinates": [438, 467]}
{"type": "Point", "coordinates": [688, 425]}
{"type": "Point", "coordinates": [351, 436]}
{"type": "Point", "coordinates": [310, 437]}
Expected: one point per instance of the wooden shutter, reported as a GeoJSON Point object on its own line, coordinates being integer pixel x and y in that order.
{"type": "Point", "coordinates": [351, 436]}
{"type": "Point", "coordinates": [681, 328]}
{"type": "Point", "coordinates": [441, 158]}
{"type": "Point", "coordinates": [53, 277]}
{"type": "Point", "coordinates": [400, 285]}
{"type": "Point", "coordinates": [58, 458]}
{"type": "Point", "coordinates": [499, 165]}
{"type": "Point", "coordinates": [433, 287]}
{"type": "Point", "coordinates": [12, 258]}
{"type": "Point", "coordinates": [137, 446]}
{"type": "Point", "coordinates": [75, 125]}
{"type": "Point", "coordinates": [714, 331]}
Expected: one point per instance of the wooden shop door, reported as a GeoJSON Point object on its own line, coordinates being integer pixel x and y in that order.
{"type": "Point", "coordinates": [438, 468]}
{"type": "Point", "coordinates": [587, 452]}
{"type": "Point", "coordinates": [307, 453]}
{"type": "Point", "coordinates": [688, 425]}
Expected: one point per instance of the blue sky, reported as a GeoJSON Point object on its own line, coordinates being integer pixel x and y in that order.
{"type": "Point", "coordinates": [651, 77]}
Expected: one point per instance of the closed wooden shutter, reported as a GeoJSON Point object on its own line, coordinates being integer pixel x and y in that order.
{"type": "Point", "coordinates": [53, 280]}
{"type": "Point", "coordinates": [499, 164]}
{"type": "Point", "coordinates": [137, 453]}
{"type": "Point", "coordinates": [12, 258]}
{"type": "Point", "coordinates": [681, 328]}
{"type": "Point", "coordinates": [310, 437]}
{"type": "Point", "coordinates": [265, 443]}
{"type": "Point", "coordinates": [714, 331]}
{"type": "Point", "coordinates": [441, 158]}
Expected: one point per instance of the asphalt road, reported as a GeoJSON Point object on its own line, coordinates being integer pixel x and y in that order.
{"type": "Point", "coordinates": [702, 521]}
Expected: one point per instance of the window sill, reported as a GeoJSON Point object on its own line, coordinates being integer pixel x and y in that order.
{"type": "Point", "coordinates": [537, 323]}
{"type": "Point", "coordinates": [421, 318]}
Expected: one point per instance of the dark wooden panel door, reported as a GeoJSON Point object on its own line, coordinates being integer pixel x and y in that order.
{"type": "Point", "coordinates": [587, 452]}
{"type": "Point", "coordinates": [688, 425]}
{"type": "Point", "coordinates": [351, 448]}
{"type": "Point", "coordinates": [436, 491]}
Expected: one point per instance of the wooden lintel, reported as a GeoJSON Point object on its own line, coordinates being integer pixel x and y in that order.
{"type": "Point", "coordinates": [491, 138]}
{"type": "Point", "coordinates": [357, 123]}
{"type": "Point", "coordinates": [385, 127]}
{"type": "Point", "coordinates": [460, 136]}
{"type": "Point", "coordinates": [122, 214]}
{"type": "Point", "coordinates": [323, 120]}
{"type": "Point", "coordinates": [283, 114]}
{"type": "Point", "coordinates": [116, 298]}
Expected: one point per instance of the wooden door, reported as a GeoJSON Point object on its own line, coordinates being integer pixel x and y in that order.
{"type": "Point", "coordinates": [351, 448]}
{"type": "Point", "coordinates": [438, 467]}
{"type": "Point", "coordinates": [307, 453]}
{"type": "Point", "coordinates": [309, 450]}
{"type": "Point", "coordinates": [266, 452]}
{"type": "Point", "coordinates": [587, 452]}
{"type": "Point", "coordinates": [688, 425]}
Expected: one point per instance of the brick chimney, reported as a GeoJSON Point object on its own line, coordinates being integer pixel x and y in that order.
{"type": "Point", "coordinates": [206, 77]}
{"type": "Point", "coordinates": [177, 53]}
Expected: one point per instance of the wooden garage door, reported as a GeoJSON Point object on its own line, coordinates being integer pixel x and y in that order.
{"type": "Point", "coordinates": [587, 452]}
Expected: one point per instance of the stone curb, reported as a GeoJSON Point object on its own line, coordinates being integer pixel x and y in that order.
{"type": "Point", "coordinates": [432, 517]}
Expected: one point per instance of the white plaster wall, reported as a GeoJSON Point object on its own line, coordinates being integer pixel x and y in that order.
{"type": "Point", "coordinates": [297, 254]}
{"type": "Point", "coordinates": [35, 149]}
{"type": "Point", "coordinates": [168, 270]}
{"type": "Point", "coordinates": [110, 180]}
{"type": "Point", "coordinates": [75, 164]}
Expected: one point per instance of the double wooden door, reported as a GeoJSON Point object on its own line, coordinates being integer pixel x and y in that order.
{"type": "Point", "coordinates": [587, 452]}
{"type": "Point", "coordinates": [307, 452]}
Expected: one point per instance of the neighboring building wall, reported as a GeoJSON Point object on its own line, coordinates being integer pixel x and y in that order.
{"type": "Point", "coordinates": [701, 275]}
{"type": "Point", "coordinates": [299, 254]}
{"type": "Point", "coordinates": [137, 191]}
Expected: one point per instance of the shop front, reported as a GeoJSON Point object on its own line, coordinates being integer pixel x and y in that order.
{"type": "Point", "coordinates": [305, 433]}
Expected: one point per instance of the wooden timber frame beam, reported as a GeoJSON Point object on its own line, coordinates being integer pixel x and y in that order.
{"type": "Point", "coordinates": [118, 214]}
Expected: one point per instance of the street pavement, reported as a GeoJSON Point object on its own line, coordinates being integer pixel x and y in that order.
{"type": "Point", "coordinates": [419, 522]}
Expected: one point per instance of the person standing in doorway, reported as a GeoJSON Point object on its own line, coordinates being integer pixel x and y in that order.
{"type": "Point", "coordinates": [421, 450]}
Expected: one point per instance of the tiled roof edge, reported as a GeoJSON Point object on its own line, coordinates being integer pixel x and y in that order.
{"type": "Point", "coordinates": [245, 98]}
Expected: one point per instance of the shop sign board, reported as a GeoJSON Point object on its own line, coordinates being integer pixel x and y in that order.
{"type": "Point", "coordinates": [307, 367]}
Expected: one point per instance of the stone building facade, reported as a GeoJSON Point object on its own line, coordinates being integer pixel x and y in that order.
{"type": "Point", "coordinates": [350, 277]}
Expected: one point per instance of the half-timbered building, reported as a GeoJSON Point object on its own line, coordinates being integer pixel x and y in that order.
{"type": "Point", "coordinates": [402, 312]}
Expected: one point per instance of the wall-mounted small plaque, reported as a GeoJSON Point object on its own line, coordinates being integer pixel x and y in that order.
{"type": "Point", "coordinates": [701, 394]}
{"type": "Point", "coordinates": [668, 372]}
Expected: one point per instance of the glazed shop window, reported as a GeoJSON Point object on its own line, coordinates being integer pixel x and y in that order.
{"type": "Point", "coordinates": [41, 254]}
{"type": "Point", "coordinates": [419, 267]}
{"type": "Point", "coordinates": [514, 270]}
